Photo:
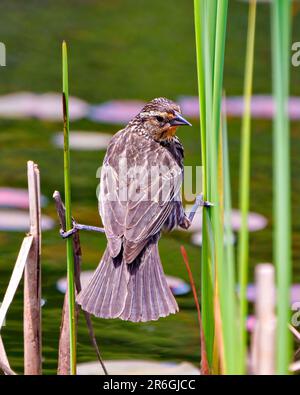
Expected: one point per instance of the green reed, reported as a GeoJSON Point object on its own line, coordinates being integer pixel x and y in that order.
{"type": "Point", "coordinates": [69, 241]}
{"type": "Point", "coordinates": [281, 31]}
{"type": "Point", "coordinates": [243, 246]}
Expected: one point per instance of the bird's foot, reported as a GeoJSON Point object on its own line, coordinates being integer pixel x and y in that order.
{"type": "Point", "coordinates": [200, 202]}
{"type": "Point", "coordinates": [65, 234]}
{"type": "Point", "coordinates": [77, 227]}
{"type": "Point", "coordinates": [186, 223]}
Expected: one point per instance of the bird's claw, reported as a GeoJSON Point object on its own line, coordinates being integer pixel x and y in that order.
{"type": "Point", "coordinates": [77, 227]}
{"type": "Point", "coordinates": [186, 223]}
{"type": "Point", "coordinates": [201, 202]}
{"type": "Point", "coordinates": [65, 234]}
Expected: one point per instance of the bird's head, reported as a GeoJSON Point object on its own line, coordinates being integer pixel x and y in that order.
{"type": "Point", "coordinates": [160, 118]}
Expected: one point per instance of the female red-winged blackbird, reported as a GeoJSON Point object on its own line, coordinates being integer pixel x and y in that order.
{"type": "Point", "coordinates": [139, 196]}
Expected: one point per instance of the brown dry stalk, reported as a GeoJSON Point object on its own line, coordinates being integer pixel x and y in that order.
{"type": "Point", "coordinates": [204, 366]}
{"type": "Point", "coordinates": [32, 280]}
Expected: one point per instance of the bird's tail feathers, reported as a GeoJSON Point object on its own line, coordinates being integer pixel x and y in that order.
{"type": "Point", "coordinates": [133, 292]}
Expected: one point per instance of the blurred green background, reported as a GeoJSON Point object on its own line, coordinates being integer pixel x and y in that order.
{"type": "Point", "coordinates": [124, 49]}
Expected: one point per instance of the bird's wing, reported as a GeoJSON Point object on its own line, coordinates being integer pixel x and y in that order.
{"type": "Point", "coordinates": [112, 209]}
{"type": "Point", "coordinates": [136, 200]}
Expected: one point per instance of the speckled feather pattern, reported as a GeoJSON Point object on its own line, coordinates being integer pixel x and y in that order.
{"type": "Point", "coordinates": [129, 282]}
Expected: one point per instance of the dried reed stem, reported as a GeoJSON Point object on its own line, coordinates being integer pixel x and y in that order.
{"type": "Point", "coordinates": [204, 366]}
{"type": "Point", "coordinates": [32, 280]}
{"type": "Point", "coordinates": [4, 362]}
{"type": "Point", "coordinates": [6, 369]}
{"type": "Point", "coordinates": [15, 277]}
{"type": "Point", "coordinates": [263, 350]}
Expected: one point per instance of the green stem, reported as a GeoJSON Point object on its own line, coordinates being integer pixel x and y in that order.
{"type": "Point", "coordinates": [243, 246]}
{"type": "Point", "coordinates": [281, 28]}
{"type": "Point", "coordinates": [210, 25]}
{"type": "Point", "coordinates": [216, 176]}
{"type": "Point", "coordinates": [67, 180]}
{"type": "Point", "coordinates": [206, 276]}
{"type": "Point", "coordinates": [230, 322]}
{"type": "Point", "coordinates": [201, 88]}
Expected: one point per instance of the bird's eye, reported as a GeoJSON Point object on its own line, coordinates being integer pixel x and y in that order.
{"type": "Point", "coordinates": [159, 118]}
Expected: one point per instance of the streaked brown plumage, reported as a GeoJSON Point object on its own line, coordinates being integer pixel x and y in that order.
{"type": "Point", "coordinates": [129, 282]}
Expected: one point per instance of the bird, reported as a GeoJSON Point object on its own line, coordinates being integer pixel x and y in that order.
{"type": "Point", "coordinates": [139, 197]}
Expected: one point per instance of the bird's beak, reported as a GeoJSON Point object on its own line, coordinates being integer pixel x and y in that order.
{"type": "Point", "coordinates": [178, 120]}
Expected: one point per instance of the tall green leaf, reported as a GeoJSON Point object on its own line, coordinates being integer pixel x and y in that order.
{"type": "Point", "coordinates": [281, 30]}
{"type": "Point", "coordinates": [231, 322]}
{"type": "Point", "coordinates": [215, 175]}
{"type": "Point", "coordinates": [69, 241]}
{"type": "Point", "coordinates": [206, 263]}
{"type": "Point", "coordinates": [210, 26]}
{"type": "Point", "coordinates": [243, 247]}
